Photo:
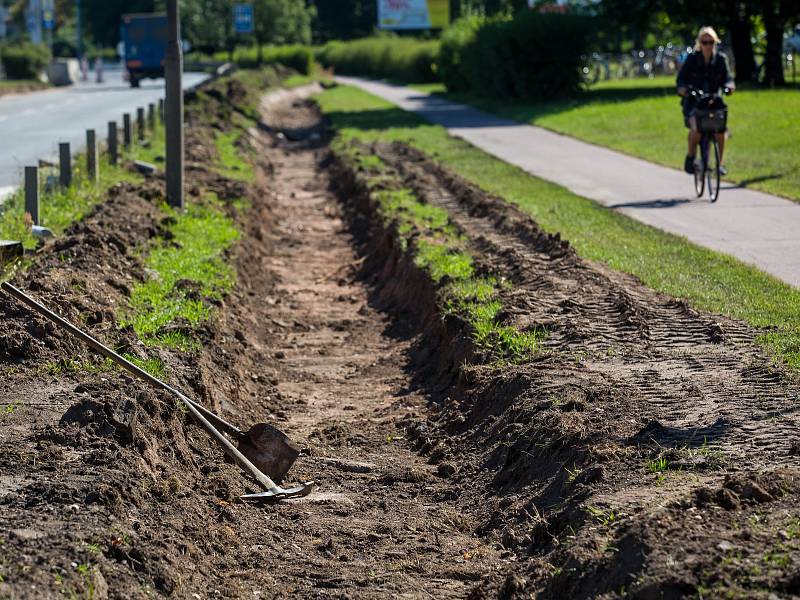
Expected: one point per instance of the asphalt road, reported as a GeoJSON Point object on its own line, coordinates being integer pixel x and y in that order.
{"type": "Point", "coordinates": [757, 228]}
{"type": "Point", "coordinates": [32, 125]}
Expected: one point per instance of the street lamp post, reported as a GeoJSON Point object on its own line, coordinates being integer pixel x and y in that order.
{"type": "Point", "coordinates": [173, 67]}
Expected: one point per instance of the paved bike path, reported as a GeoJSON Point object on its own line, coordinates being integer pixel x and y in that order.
{"type": "Point", "coordinates": [755, 227]}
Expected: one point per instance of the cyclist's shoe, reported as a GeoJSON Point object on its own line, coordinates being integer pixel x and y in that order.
{"type": "Point", "coordinates": [688, 165]}
{"type": "Point", "coordinates": [723, 170]}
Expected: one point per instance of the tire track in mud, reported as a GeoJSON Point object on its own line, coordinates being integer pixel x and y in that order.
{"type": "Point", "coordinates": [702, 377]}
{"type": "Point", "coordinates": [643, 434]}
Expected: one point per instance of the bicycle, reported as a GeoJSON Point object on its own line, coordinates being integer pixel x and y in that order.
{"type": "Point", "coordinates": [711, 116]}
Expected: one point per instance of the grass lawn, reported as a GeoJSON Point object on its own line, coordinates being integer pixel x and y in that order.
{"type": "Point", "coordinates": [643, 118]}
{"type": "Point", "coordinates": [709, 280]}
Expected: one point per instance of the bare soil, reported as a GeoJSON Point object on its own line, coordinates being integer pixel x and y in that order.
{"type": "Point", "coordinates": [439, 474]}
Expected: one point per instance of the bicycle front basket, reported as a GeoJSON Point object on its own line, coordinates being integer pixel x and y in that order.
{"type": "Point", "coordinates": [711, 120]}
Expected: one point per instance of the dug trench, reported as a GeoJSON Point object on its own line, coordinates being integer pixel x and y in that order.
{"type": "Point", "coordinates": [599, 441]}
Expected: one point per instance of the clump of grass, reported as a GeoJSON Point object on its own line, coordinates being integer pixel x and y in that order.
{"type": "Point", "coordinates": [657, 465]}
{"type": "Point", "coordinates": [59, 207]}
{"type": "Point", "coordinates": [232, 164]}
{"type": "Point", "coordinates": [442, 252]}
{"type": "Point", "coordinates": [188, 273]}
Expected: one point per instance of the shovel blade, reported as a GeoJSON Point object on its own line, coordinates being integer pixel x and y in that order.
{"type": "Point", "coordinates": [281, 493]}
{"type": "Point", "coordinates": [270, 450]}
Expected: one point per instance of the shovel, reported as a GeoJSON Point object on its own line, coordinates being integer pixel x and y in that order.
{"type": "Point", "coordinates": [262, 449]}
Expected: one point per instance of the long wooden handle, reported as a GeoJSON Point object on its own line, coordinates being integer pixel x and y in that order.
{"type": "Point", "coordinates": [194, 408]}
{"type": "Point", "coordinates": [116, 358]}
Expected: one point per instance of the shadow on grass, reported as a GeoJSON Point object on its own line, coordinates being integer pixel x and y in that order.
{"type": "Point", "coordinates": [385, 118]}
{"type": "Point", "coordinates": [530, 110]}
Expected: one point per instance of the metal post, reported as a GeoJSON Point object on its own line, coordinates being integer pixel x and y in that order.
{"type": "Point", "coordinates": [151, 116]}
{"type": "Point", "coordinates": [113, 152]}
{"type": "Point", "coordinates": [127, 134]}
{"type": "Point", "coordinates": [173, 67]}
{"type": "Point", "coordinates": [140, 124]}
{"type": "Point", "coordinates": [32, 193]}
{"type": "Point", "coordinates": [92, 170]}
{"type": "Point", "coordinates": [64, 165]}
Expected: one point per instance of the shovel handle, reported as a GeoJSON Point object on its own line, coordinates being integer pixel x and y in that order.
{"type": "Point", "coordinates": [201, 414]}
{"type": "Point", "coordinates": [116, 358]}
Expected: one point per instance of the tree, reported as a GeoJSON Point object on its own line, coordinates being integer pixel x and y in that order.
{"type": "Point", "coordinates": [776, 15]}
{"type": "Point", "coordinates": [282, 22]}
{"type": "Point", "coordinates": [208, 25]}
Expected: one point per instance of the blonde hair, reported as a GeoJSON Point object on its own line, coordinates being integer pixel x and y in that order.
{"type": "Point", "coordinates": [709, 31]}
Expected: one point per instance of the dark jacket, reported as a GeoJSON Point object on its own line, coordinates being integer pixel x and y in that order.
{"type": "Point", "coordinates": [706, 77]}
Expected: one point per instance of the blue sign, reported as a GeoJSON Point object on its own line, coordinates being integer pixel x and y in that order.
{"type": "Point", "coordinates": [48, 15]}
{"type": "Point", "coordinates": [243, 21]}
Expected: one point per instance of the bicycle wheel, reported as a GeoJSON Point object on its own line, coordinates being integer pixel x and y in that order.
{"type": "Point", "coordinates": [712, 170]}
{"type": "Point", "coordinates": [699, 168]}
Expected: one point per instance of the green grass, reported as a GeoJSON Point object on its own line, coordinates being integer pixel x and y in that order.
{"type": "Point", "coordinates": [441, 252]}
{"type": "Point", "coordinates": [232, 163]}
{"type": "Point", "coordinates": [709, 280]}
{"type": "Point", "coordinates": [21, 85]}
{"type": "Point", "coordinates": [196, 254]}
{"type": "Point", "coordinates": [61, 207]}
{"type": "Point", "coordinates": [642, 117]}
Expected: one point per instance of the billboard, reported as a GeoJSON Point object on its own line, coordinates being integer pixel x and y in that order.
{"type": "Point", "coordinates": [413, 14]}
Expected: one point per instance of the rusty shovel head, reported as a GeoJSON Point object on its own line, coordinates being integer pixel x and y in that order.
{"type": "Point", "coordinates": [270, 450]}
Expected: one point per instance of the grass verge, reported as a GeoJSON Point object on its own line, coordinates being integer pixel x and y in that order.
{"type": "Point", "coordinates": [667, 263]}
{"type": "Point", "coordinates": [443, 253]}
{"type": "Point", "coordinates": [188, 274]}
{"type": "Point", "coordinates": [643, 118]}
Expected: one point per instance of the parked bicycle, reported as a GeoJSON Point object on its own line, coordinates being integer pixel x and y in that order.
{"type": "Point", "coordinates": [712, 117]}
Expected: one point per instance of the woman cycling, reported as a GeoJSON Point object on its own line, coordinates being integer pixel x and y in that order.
{"type": "Point", "coordinates": [706, 70]}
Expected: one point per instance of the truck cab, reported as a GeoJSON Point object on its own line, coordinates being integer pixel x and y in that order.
{"type": "Point", "coordinates": [144, 45]}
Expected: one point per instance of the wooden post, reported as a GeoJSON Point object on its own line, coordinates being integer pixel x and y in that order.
{"type": "Point", "coordinates": [140, 124]}
{"type": "Point", "coordinates": [151, 116]}
{"type": "Point", "coordinates": [64, 165]}
{"type": "Point", "coordinates": [173, 67]}
{"type": "Point", "coordinates": [32, 193]}
{"type": "Point", "coordinates": [127, 134]}
{"type": "Point", "coordinates": [92, 170]}
{"type": "Point", "coordinates": [161, 110]}
{"type": "Point", "coordinates": [113, 151]}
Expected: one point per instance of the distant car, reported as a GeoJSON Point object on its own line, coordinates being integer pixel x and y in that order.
{"type": "Point", "coordinates": [144, 46]}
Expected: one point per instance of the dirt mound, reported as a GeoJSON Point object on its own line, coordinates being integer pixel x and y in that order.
{"type": "Point", "coordinates": [632, 396]}
{"type": "Point", "coordinates": [85, 276]}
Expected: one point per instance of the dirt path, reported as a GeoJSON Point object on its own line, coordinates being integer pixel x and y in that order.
{"type": "Point", "coordinates": [381, 523]}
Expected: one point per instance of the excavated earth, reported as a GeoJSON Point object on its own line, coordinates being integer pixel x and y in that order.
{"type": "Point", "coordinates": [647, 451]}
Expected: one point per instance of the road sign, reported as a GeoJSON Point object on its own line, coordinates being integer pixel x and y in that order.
{"type": "Point", "coordinates": [48, 15]}
{"type": "Point", "coordinates": [243, 21]}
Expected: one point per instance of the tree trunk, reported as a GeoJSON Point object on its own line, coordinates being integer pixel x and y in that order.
{"type": "Point", "coordinates": [740, 28]}
{"type": "Point", "coordinates": [773, 59]}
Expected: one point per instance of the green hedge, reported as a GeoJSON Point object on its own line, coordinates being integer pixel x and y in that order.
{"type": "Point", "coordinates": [297, 57]}
{"type": "Point", "coordinates": [402, 58]}
{"type": "Point", "coordinates": [25, 60]}
{"type": "Point", "coordinates": [533, 55]}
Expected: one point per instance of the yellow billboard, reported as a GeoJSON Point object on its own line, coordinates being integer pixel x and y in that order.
{"type": "Point", "coordinates": [413, 14]}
